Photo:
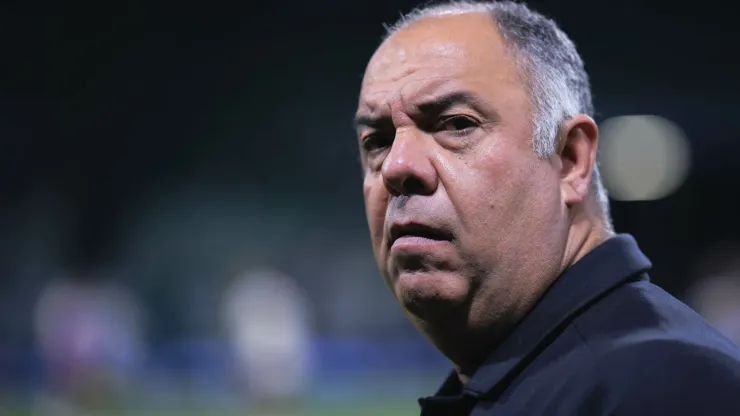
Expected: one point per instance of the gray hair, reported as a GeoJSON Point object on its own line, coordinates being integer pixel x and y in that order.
{"type": "Point", "coordinates": [554, 71]}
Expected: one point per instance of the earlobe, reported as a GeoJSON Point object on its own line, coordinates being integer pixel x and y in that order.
{"type": "Point", "coordinates": [577, 146]}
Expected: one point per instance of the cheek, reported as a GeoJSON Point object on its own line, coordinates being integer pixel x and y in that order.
{"type": "Point", "coordinates": [507, 195]}
{"type": "Point", "coordinates": [523, 204]}
{"type": "Point", "coordinates": [376, 202]}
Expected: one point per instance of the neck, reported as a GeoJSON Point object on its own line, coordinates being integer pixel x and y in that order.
{"type": "Point", "coordinates": [587, 230]}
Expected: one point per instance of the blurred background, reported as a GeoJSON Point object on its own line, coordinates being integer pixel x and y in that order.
{"type": "Point", "coordinates": [181, 194]}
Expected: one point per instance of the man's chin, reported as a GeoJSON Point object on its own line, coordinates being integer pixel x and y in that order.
{"type": "Point", "coordinates": [429, 293]}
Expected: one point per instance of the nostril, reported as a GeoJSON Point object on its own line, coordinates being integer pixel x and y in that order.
{"type": "Point", "coordinates": [408, 186]}
{"type": "Point", "coordinates": [414, 186]}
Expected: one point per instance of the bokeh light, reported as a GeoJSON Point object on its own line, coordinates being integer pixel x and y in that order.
{"type": "Point", "coordinates": [643, 157]}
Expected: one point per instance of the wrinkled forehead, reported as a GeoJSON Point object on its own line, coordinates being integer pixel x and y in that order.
{"type": "Point", "coordinates": [434, 52]}
{"type": "Point", "coordinates": [406, 71]}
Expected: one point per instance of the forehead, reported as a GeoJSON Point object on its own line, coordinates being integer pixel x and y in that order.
{"type": "Point", "coordinates": [463, 51]}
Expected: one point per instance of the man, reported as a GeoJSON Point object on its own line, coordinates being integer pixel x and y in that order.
{"type": "Point", "coordinates": [490, 225]}
{"type": "Point", "coordinates": [268, 322]}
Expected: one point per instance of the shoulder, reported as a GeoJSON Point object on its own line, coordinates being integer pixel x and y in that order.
{"type": "Point", "coordinates": [670, 376]}
{"type": "Point", "coordinates": [654, 355]}
{"type": "Point", "coordinates": [656, 359]}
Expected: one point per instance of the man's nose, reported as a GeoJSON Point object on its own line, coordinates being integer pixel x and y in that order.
{"type": "Point", "coordinates": [408, 169]}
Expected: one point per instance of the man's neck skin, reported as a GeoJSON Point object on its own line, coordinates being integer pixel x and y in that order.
{"type": "Point", "coordinates": [587, 231]}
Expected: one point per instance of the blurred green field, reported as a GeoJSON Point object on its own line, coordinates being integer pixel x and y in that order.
{"type": "Point", "coordinates": [372, 396]}
{"type": "Point", "coordinates": [348, 410]}
{"type": "Point", "coordinates": [358, 409]}
{"type": "Point", "coordinates": [319, 411]}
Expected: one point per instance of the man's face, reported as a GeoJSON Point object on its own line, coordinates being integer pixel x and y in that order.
{"type": "Point", "coordinates": [464, 218]}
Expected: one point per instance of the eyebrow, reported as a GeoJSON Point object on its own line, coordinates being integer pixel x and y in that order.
{"type": "Point", "coordinates": [366, 120]}
{"type": "Point", "coordinates": [435, 105]}
{"type": "Point", "coordinates": [443, 102]}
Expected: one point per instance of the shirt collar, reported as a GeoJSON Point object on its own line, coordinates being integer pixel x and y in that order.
{"type": "Point", "coordinates": [605, 267]}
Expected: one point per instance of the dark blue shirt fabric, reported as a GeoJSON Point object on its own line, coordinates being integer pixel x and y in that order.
{"type": "Point", "coordinates": [603, 340]}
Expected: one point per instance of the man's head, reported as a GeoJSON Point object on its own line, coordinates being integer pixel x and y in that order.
{"type": "Point", "coordinates": [478, 150]}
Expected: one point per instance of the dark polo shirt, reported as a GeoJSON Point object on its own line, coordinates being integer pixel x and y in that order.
{"type": "Point", "coordinates": [603, 340]}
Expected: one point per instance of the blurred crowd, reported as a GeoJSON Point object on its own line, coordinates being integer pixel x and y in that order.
{"type": "Point", "coordinates": [93, 338]}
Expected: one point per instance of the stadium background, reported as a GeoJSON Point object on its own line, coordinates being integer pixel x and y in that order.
{"type": "Point", "coordinates": [154, 156]}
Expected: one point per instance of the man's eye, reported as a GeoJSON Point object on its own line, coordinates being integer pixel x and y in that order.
{"type": "Point", "coordinates": [375, 141]}
{"type": "Point", "coordinates": [457, 123]}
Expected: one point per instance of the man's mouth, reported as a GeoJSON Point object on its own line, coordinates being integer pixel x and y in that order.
{"type": "Point", "coordinates": [416, 232]}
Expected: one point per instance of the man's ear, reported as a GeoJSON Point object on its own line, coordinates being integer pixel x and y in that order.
{"type": "Point", "coordinates": [577, 144]}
